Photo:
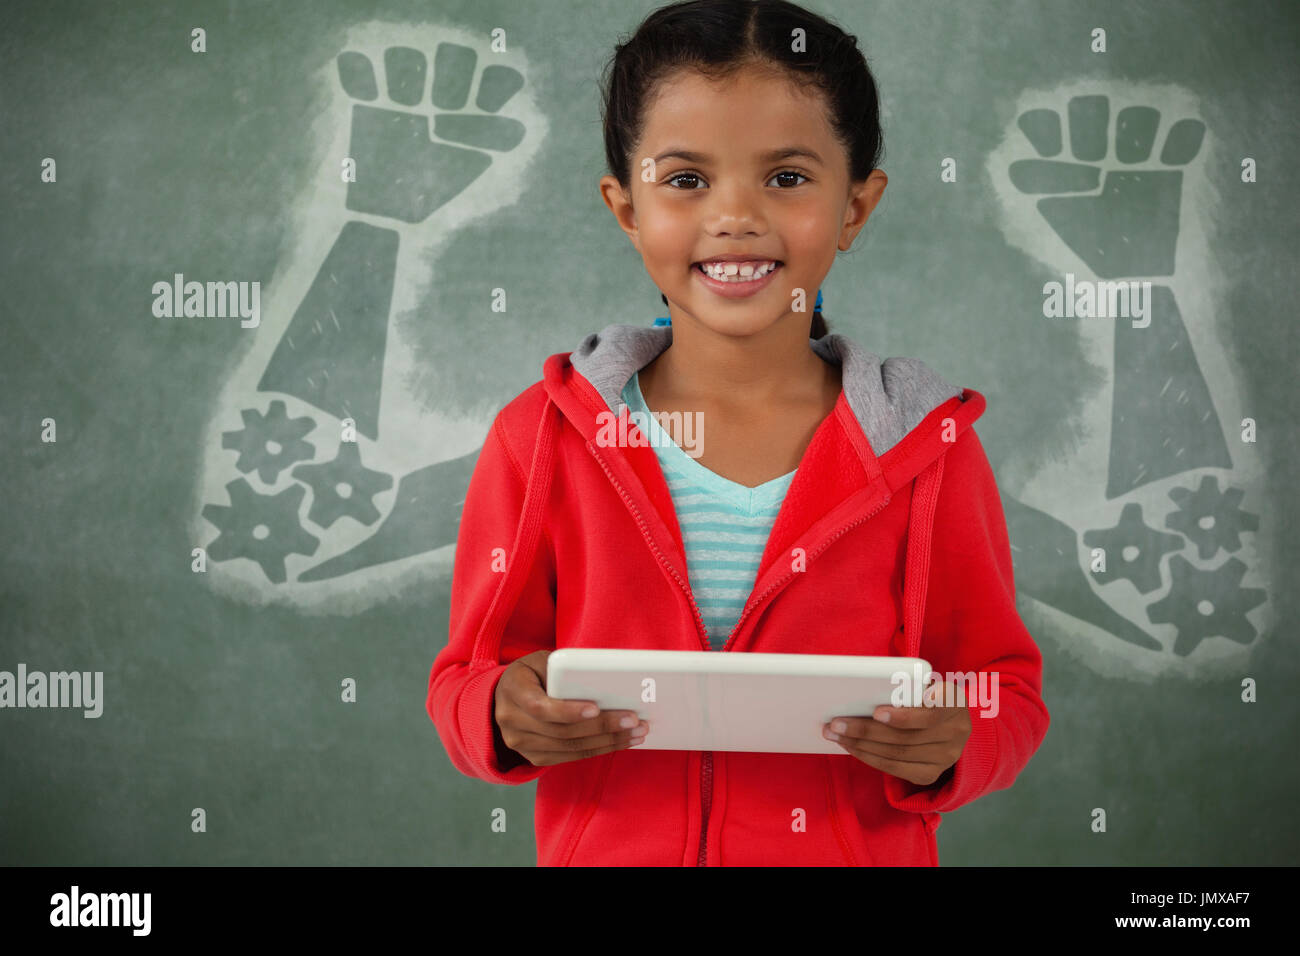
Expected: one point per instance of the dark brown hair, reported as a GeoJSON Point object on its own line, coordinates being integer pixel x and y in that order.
{"type": "Point", "coordinates": [720, 37]}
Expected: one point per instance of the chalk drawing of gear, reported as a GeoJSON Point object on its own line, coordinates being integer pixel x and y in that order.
{"type": "Point", "coordinates": [1106, 184]}
{"type": "Point", "coordinates": [1210, 518]}
{"type": "Point", "coordinates": [419, 137]}
{"type": "Point", "coordinates": [260, 528]}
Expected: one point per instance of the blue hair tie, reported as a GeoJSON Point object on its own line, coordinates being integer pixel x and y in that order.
{"type": "Point", "coordinates": [665, 320]}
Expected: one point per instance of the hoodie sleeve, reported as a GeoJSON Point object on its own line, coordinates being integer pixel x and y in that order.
{"type": "Point", "coordinates": [461, 696]}
{"type": "Point", "coordinates": [971, 624]}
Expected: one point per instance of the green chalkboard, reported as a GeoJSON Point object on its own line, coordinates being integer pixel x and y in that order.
{"type": "Point", "coordinates": [270, 270]}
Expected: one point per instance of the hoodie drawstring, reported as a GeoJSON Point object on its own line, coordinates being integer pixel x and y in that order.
{"type": "Point", "coordinates": [487, 643]}
{"type": "Point", "coordinates": [916, 576]}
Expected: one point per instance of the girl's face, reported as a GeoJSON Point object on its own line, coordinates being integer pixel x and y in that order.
{"type": "Point", "coordinates": [747, 166]}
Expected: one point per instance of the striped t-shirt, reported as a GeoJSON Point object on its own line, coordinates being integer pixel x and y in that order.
{"type": "Point", "coordinates": [725, 525]}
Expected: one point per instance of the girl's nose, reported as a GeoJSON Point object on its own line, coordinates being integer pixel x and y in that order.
{"type": "Point", "coordinates": [735, 210]}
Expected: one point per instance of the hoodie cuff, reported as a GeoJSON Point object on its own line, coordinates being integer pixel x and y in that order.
{"type": "Point", "coordinates": [474, 713]}
{"type": "Point", "coordinates": [964, 781]}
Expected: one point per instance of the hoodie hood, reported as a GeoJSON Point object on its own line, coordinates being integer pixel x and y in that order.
{"type": "Point", "coordinates": [886, 399]}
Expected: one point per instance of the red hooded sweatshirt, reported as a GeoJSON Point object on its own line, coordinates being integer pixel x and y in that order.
{"type": "Point", "coordinates": [906, 554]}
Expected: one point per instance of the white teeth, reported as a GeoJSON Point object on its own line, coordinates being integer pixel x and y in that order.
{"type": "Point", "coordinates": [737, 272]}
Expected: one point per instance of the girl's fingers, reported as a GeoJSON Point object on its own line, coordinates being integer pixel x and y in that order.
{"type": "Point", "coordinates": [864, 728]}
{"type": "Point", "coordinates": [936, 754]}
{"type": "Point", "coordinates": [573, 748]}
{"type": "Point", "coordinates": [903, 769]}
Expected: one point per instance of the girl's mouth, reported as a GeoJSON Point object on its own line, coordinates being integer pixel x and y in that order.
{"type": "Point", "coordinates": [737, 280]}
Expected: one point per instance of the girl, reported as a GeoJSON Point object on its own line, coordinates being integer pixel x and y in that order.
{"type": "Point", "coordinates": [837, 503]}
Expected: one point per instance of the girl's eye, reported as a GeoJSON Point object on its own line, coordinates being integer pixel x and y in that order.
{"type": "Point", "coordinates": [672, 180]}
{"type": "Point", "coordinates": [791, 172]}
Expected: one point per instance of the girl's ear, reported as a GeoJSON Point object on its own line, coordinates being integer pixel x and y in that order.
{"type": "Point", "coordinates": [863, 196]}
{"type": "Point", "coordinates": [620, 204]}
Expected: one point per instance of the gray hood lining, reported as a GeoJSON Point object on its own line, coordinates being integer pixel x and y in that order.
{"type": "Point", "coordinates": [888, 397]}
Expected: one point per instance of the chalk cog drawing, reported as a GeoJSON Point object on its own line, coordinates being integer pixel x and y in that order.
{"type": "Point", "coordinates": [269, 443]}
{"type": "Point", "coordinates": [1210, 518]}
{"type": "Point", "coordinates": [260, 528]}
{"type": "Point", "coordinates": [343, 487]}
{"type": "Point", "coordinates": [437, 142]}
{"type": "Point", "coordinates": [1114, 209]}
{"type": "Point", "coordinates": [1134, 550]}
{"type": "Point", "coordinates": [1205, 604]}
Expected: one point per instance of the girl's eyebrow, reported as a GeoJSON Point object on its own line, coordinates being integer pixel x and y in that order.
{"type": "Point", "coordinates": [786, 152]}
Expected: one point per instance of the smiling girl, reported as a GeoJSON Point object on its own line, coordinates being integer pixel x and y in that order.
{"type": "Point", "coordinates": [840, 503]}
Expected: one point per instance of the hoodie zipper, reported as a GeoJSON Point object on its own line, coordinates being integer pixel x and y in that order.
{"type": "Point", "coordinates": [706, 765]}
{"type": "Point", "coordinates": [706, 768]}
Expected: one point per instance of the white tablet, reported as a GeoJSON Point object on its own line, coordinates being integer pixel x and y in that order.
{"type": "Point", "coordinates": [716, 700]}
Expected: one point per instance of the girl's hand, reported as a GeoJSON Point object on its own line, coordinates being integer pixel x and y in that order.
{"type": "Point", "coordinates": [545, 730]}
{"type": "Point", "coordinates": [916, 744]}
